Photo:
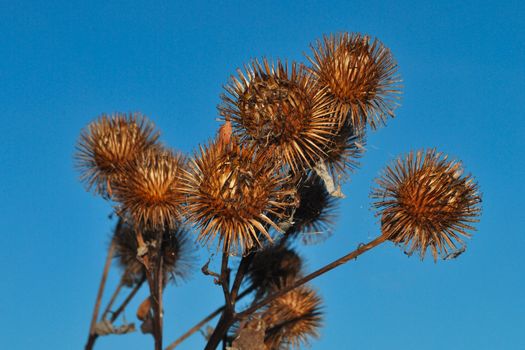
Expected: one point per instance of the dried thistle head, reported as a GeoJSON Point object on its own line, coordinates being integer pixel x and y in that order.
{"type": "Point", "coordinates": [231, 191]}
{"type": "Point", "coordinates": [108, 144]}
{"type": "Point", "coordinates": [273, 264]}
{"type": "Point", "coordinates": [425, 201]}
{"type": "Point", "coordinates": [176, 252]}
{"type": "Point", "coordinates": [314, 217]}
{"type": "Point", "coordinates": [150, 190]}
{"type": "Point", "coordinates": [360, 78]}
{"type": "Point", "coordinates": [281, 111]}
{"type": "Point", "coordinates": [293, 318]}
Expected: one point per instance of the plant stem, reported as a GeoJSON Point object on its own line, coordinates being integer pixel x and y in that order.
{"type": "Point", "coordinates": [122, 306]}
{"type": "Point", "coordinates": [222, 327]}
{"type": "Point", "coordinates": [195, 328]}
{"type": "Point", "coordinates": [153, 279]}
{"type": "Point", "coordinates": [92, 335]}
{"type": "Point", "coordinates": [344, 259]}
{"type": "Point", "coordinates": [225, 278]}
{"type": "Point", "coordinates": [205, 320]}
{"type": "Point", "coordinates": [228, 312]}
{"type": "Point", "coordinates": [113, 298]}
{"type": "Point", "coordinates": [158, 296]}
{"type": "Point", "coordinates": [127, 300]}
{"type": "Point", "coordinates": [239, 276]}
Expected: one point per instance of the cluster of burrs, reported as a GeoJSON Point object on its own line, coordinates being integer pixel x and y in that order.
{"type": "Point", "coordinates": [291, 133]}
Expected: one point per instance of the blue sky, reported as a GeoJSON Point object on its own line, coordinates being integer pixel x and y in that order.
{"type": "Point", "coordinates": [62, 63]}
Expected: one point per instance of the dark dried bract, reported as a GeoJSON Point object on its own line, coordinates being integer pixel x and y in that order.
{"type": "Point", "coordinates": [359, 77]}
{"type": "Point", "coordinates": [425, 201]}
{"type": "Point", "coordinates": [271, 265]}
{"type": "Point", "coordinates": [108, 144]}
{"type": "Point", "coordinates": [150, 190]}
{"type": "Point", "coordinates": [231, 193]}
{"type": "Point", "coordinates": [281, 111]}
{"type": "Point", "coordinates": [313, 218]}
{"type": "Point", "coordinates": [347, 146]}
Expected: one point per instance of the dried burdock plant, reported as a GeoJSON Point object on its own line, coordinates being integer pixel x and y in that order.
{"type": "Point", "coordinates": [271, 265]}
{"type": "Point", "coordinates": [150, 190]}
{"type": "Point", "coordinates": [280, 110]}
{"type": "Point", "coordinates": [426, 202]}
{"type": "Point", "coordinates": [110, 143]}
{"type": "Point", "coordinates": [291, 133]}
{"type": "Point", "coordinates": [314, 217]}
{"type": "Point", "coordinates": [231, 192]}
{"type": "Point", "coordinates": [292, 318]}
{"type": "Point", "coordinates": [176, 250]}
{"type": "Point", "coordinates": [359, 77]}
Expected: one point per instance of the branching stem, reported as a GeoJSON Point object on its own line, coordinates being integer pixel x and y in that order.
{"type": "Point", "coordinates": [113, 298]}
{"type": "Point", "coordinates": [344, 259]}
{"type": "Point", "coordinates": [205, 320]}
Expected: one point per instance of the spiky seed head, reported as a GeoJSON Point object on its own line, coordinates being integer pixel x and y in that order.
{"type": "Point", "coordinates": [359, 76]}
{"type": "Point", "coordinates": [314, 217]}
{"type": "Point", "coordinates": [280, 110]}
{"type": "Point", "coordinates": [231, 192]}
{"type": "Point", "coordinates": [293, 318]}
{"type": "Point", "coordinates": [108, 144]}
{"type": "Point", "coordinates": [426, 202]}
{"type": "Point", "coordinates": [273, 264]}
{"type": "Point", "coordinates": [176, 252]}
{"type": "Point", "coordinates": [150, 190]}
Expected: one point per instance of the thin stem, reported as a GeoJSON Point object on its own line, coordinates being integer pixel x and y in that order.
{"type": "Point", "coordinates": [227, 318]}
{"type": "Point", "coordinates": [107, 265]}
{"type": "Point", "coordinates": [225, 278]}
{"type": "Point", "coordinates": [115, 315]}
{"type": "Point", "coordinates": [158, 303]}
{"type": "Point", "coordinates": [113, 297]}
{"type": "Point", "coordinates": [239, 276]}
{"type": "Point", "coordinates": [195, 328]}
{"type": "Point", "coordinates": [127, 300]}
{"type": "Point", "coordinates": [222, 327]}
{"type": "Point", "coordinates": [228, 312]}
{"type": "Point", "coordinates": [151, 278]}
{"type": "Point", "coordinates": [344, 259]}
{"type": "Point", "coordinates": [204, 321]}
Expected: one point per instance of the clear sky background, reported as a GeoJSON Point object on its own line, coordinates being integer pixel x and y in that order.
{"type": "Point", "coordinates": [62, 63]}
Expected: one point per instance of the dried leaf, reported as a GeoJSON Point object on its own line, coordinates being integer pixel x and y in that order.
{"type": "Point", "coordinates": [335, 190]}
{"type": "Point", "coordinates": [251, 336]}
{"type": "Point", "coordinates": [143, 310]}
{"type": "Point", "coordinates": [105, 327]}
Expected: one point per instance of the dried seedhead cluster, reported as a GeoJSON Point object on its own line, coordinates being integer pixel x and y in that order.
{"type": "Point", "coordinates": [290, 134]}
